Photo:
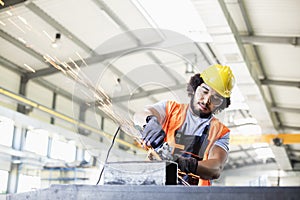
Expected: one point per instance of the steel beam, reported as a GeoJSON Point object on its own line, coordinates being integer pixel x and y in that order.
{"type": "Point", "coordinates": [21, 45]}
{"type": "Point", "coordinates": [89, 61]}
{"type": "Point", "coordinates": [54, 97]}
{"type": "Point", "coordinates": [94, 59]}
{"type": "Point", "coordinates": [261, 40]}
{"type": "Point", "coordinates": [38, 11]}
{"type": "Point", "coordinates": [289, 127]}
{"type": "Point", "coordinates": [282, 109]}
{"type": "Point", "coordinates": [11, 66]}
{"type": "Point", "coordinates": [17, 144]}
{"type": "Point", "coordinates": [22, 90]}
{"type": "Point", "coordinates": [274, 117]}
{"type": "Point", "coordinates": [245, 16]}
{"type": "Point", "coordinates": [258, 40]}
{"type": "Point", "coordinates": [281, 83]}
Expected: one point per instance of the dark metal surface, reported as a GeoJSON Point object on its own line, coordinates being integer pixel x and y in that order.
{"type": "Point", "coordinates": [158, 192]}
{"type": "Point", "coordinates": [140, 173]}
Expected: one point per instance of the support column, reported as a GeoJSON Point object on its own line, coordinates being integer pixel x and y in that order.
{"type": "Point", "coordinates": [22, 90]}
{"type": "Point", "coordinates": [17, 144]}
{"type": "Point", "coordinates": [102, 127]}
{"type": "Point", "coordinates": [50, 139]}
{"type": "Point", "coordinates": [79, 154]}
{"type": "Point", "coordinates": [52, 120]}
{"type": "Point", "coordinates": [82, 111]}
{"type": "Point", "coordinates": [102, 123]}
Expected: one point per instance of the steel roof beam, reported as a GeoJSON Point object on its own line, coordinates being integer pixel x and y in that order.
{"type": "Point", "coordinates": [102, 5]}
{"type": "Point", "coordinates": [282, 109]}
{"type": "Point", "coordinates": [38, 11]}
{"type": "Point", "coordinates": [280, 83]}
{"type": "Point", "coordinates": [11, 66]}
{"type": "Point", "coordinates": [274, 116]}
{"type": "Point", "coordinates": [21, 45]}
{"type": "Point", "coordinates": [245, 16]}
{"type": "Point", "coordinates": [290, 127]}
{"type": "Point", "coordinates": [89, 61]}
{"type": "Point", "coordinates": [260, 40]}
{"type": "Point", "coordinates": [275, 119]}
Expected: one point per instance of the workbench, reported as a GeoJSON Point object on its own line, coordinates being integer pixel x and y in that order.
{"type": "Point", "coordinates": [153, 192]}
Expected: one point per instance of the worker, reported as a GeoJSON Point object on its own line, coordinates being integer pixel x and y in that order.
{"type": "Point", "coordinates": [199, 140]}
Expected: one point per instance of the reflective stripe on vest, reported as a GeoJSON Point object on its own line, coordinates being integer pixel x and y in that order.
{"type": "Point", "coordinates": [175, 116]}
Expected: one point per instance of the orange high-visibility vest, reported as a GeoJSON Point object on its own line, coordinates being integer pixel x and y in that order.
{"type": "Point", "coordinates": [175, 116]}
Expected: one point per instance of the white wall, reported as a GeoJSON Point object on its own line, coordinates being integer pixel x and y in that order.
{"type": "Point", "coordinates": [40, 95]}
{"type": "Point", "coordinates": [10, 81]}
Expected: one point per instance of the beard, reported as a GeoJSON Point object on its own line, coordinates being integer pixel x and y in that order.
{"type": "Point", "coordinates": [197, 111]}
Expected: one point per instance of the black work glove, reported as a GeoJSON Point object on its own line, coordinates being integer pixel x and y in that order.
{"type": "Point", "coordinates": [153, 133]}
{"type": "Point", "coordinates": [187, 165]}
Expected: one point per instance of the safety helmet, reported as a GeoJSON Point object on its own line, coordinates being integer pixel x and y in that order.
{"type": "Point", "coordinates": [219, 78]}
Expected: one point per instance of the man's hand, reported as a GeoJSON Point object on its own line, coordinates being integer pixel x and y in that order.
{"type": "Point", "coordinates": [153, 134]}
{"type": "Point", "coordinates": [187, 165]}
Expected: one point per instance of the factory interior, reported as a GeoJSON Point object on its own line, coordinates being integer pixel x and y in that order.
{"type": "Point", "coordinates": [73, 72]}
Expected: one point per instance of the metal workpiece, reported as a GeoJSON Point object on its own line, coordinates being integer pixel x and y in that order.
{"type": "Point", "coordinates": [129, 192]}
{"type": "Point", "coordinates": [140, 173]}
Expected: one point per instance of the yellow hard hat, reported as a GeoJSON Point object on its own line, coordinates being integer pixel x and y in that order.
{"type": "Point", "coordinates": [220, 78]}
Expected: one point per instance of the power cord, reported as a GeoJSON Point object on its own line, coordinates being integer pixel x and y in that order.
{"type": "Point", "coordinates": [107, 155]}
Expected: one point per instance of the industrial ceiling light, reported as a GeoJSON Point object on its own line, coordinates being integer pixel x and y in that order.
{"type": "Point", "coordinates": [118, 87]}
{"type": "Point", "coordinates": [189, 68]}
{"type": "Point", "coordinates": [56, 43]}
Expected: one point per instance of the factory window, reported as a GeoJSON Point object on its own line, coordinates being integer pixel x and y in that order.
{"type": "Point", "coordinates": [28, 183]}
{"type": "Point", "coordinates": [3, 182]}
{"type": "Point", "coordinates": [87, 156]}
{"type": "Point", "coordinates": [6, 131]}
{"type": "Point", "coordinates": [63, 151]}
{"type": "Point", "coordinates": [37, 141]}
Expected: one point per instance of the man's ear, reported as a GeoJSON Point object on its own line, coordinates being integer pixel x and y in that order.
{"type": "Point", "coordinates": [190, 91]}
{"type": "Point", "coordinates": [191, 94]}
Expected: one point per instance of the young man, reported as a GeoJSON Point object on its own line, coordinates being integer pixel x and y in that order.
{"type": "Point", "coordinates": [199, 140]}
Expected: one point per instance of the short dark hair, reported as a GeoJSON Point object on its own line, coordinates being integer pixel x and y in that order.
{"type": "Point", "coordinates": [194, 82]}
